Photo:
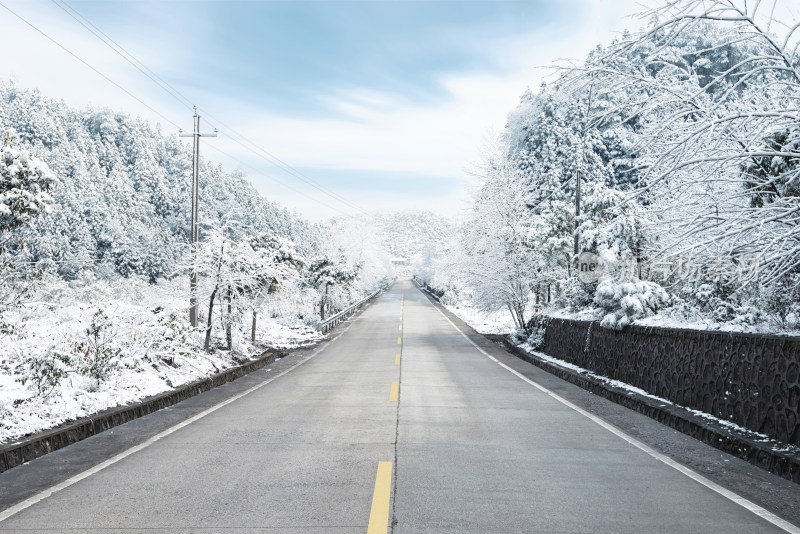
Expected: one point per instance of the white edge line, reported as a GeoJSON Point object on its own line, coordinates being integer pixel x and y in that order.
{"type": "Point", "coordinates": [697, 477]}
{"type": "Point", "coordinates": [30, 501]}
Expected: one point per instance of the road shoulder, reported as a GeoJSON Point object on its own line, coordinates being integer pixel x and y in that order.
{"type": "Point", "coordinates": [769, 491]}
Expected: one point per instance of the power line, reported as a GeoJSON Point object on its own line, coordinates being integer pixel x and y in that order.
{"type": "Point", "coordinates": [242, 140]}
{"type": "Point", "coordinates": [70, 52]}
{"type": "Point", "coordinates": [119, 49]}
{"type": "Point", "coordinates": [290, 170]}
{"type": "Point", "coordinates": [260, 173]}
{"type": "Point", "coordinates": [280, 164]}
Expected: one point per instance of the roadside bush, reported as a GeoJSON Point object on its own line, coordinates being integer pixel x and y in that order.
{"type": "Point", "coordinates": [623, 302]}
{"type": "Point", "coordinates": [96, 356]}
{"type": "Point", "coordinates": [536, 338]}
{"type": "Point", "coordinates": [46, 372]}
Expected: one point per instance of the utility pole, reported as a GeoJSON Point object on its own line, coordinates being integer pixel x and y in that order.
{"type": "Point", "coordinates": [581, 166]}
{"type": "Point", "coordinates": [195, 212]}
{"type": "Point", "coordinates": [577, 207]}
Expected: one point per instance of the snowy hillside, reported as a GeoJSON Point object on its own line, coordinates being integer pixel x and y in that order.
{"type": "Point", "coordinates": [406, 234]}
{"type": "Point", "coordinates": [121, 199]}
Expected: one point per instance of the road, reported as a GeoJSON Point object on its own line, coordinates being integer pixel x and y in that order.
{"type": "Point", "coordinates": [401, 423]}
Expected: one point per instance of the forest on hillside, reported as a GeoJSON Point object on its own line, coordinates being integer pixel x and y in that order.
{"type": "Point", "coordinates": [410, 234]}
{"type": "Point", "coordinates": [685, 142]}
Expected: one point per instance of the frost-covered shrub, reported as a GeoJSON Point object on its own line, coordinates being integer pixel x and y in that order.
{"type": "Point", "coordinates": [625, 301]}
{"type": "Point", "coordinates": [578, 295]}
{"type": "Point", "coordinates": [171, 335]}
{"type": "Point", "coordinates": [725, 302]}
{"type": "Point", "coordinates": [519, 336]}
{"type": "Point", "coordinates": [782, 302]}
{"type": "Point", "coordinates": [46, 372]}
{"type": "Point", "coordinates": [536, 338]}
{"type": "Point", "coordinates": [96, 355]}
{"type": "Point", "coordinates": [724, 311]}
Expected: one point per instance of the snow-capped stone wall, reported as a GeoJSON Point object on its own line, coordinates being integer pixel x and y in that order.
{"type": "Point", "coordinates": [752, 380]}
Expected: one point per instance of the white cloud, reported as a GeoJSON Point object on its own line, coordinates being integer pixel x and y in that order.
{"type": "Point", "coordinates": [36, 62]}
{"type": "Point", "coordinates": [385, 133]}
{"type": "Point", "coordinates": [440, 139]}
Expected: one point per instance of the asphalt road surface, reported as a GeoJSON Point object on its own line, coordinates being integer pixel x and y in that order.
{"type": "Point", "coordinates": [401, 423]}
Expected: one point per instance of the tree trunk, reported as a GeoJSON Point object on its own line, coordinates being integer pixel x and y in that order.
{"type": "Point", "coordinates": [513, 314]}
{"type": "Point", "coordinates": [322, 304]}
{"type": "Point", "coordinates": [207, 345]}
{"type": "Point", "coordinates": [253, 331]}
{"type": "Point", "coordinates": [521, 313]}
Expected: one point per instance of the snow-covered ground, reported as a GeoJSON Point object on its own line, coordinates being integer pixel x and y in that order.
{"type": "Point", "coordinates": [486, 323]}
{"type": "Point", "coordinates": [88, 345]}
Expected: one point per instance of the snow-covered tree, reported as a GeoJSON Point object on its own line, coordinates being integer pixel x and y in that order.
{"type": "Point", "coordinates": [328, 274]}
{"type": "Point", "coordinates": [236, 271]}
{"type": "Point", "coordinates": [714, 86]}
{"type": "Point", "coordinates": [500, 264]}
{"type": "Point", "coordinates": [25, 185]}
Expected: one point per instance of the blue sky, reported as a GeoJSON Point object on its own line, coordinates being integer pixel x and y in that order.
{"type": "Point", "coordinates": [387, 103]}
{"type": "Point", "coordinates": [285, 55]}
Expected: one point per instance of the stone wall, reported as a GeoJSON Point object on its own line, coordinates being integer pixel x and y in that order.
{"type": "Point", "coordinates": [750, 379]}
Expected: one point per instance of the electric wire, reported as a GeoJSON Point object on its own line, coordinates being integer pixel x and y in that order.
{"type": "Point", "coordinates": [73, 54]}
{"type": "Point", "coordinates": [242, 140]}
{"type": "Point", "coordinates": [272, 178]}
{"type": "Point", "coordinates": [123, 53]}
{"type": "Point", "coordinates": [274, 160]}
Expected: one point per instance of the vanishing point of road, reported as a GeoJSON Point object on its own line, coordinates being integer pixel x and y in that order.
{"type": "Point", "coordinates": [402, 422]}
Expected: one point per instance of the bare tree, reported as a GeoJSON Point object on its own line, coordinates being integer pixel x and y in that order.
{"type": "Point", "coordinates": [712, 88]}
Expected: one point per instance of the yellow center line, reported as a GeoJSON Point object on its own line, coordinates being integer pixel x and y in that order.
{"type": "Point", "coordinates": [379, 514]}
{"type": "Point", "coordinates": [397, 359]}
{"type": "Point", "coordinates": [400, 328]}
{"type": "Point", "coordinates": [399, 340]}
{"type": "Point", "coordinates": [394, 391]}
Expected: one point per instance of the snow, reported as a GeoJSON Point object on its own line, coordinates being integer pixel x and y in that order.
{"type": "Point", "coordinates": [146, 323]}
{"type": "Point", "coordinates": [679, 318]}
{"type": "Point", "coordinates": [499, 322]}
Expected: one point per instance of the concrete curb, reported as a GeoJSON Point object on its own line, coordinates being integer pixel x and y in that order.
{"type": "Point", "coordinates": [25, 450]}
{"type": "Point", "coordinates": [762, 454]}
{"type": "Point", "coordinates": [759, 453]}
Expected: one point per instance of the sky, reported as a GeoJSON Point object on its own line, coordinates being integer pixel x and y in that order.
{"type": "Point", "coordinates": [380, 105]}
